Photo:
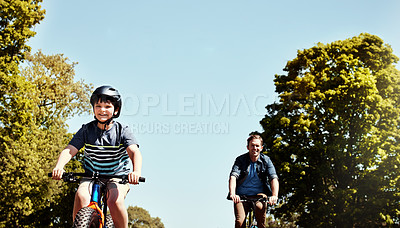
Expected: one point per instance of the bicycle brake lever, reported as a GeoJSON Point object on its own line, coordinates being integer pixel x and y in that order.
{"type": "Point", "coordinates": [69, 177]}
{"type": "Point", "coordinates": [124, 180]}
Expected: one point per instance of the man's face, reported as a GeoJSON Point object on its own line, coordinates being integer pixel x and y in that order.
{"type": "Point", "coordinates": [254, 148]}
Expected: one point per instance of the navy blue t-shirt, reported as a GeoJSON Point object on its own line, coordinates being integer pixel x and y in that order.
{"type": "Point", "coordinates": [105, 150]}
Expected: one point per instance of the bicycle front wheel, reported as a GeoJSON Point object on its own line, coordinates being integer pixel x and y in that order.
{"type": "Point", "coordinates": [87, 218]}
{"type": "Point", "coordinates": [109, 222]}
{"type": "Point", "coordinates": [250, 220]}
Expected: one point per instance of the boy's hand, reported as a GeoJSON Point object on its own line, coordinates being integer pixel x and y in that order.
{"type": "Point", "coordinates": [133, 177]}
{"type": "Point", "coordinates": [57, 173]}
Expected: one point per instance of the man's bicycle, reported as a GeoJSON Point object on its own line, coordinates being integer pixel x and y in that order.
{"type": "Point", "coordinates": [93, 215]}
{"type": "Point", "coordinates": [250, 219]}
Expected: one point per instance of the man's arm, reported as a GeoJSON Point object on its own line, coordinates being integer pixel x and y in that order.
{"type": "Point", "coordinates": [275, 190]}
{"type": "Point", "coordinates": [232, 189]}
{"type": "Point", "coordinates": [136, 158]}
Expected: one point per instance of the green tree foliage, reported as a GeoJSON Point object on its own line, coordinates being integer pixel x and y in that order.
{"type": "Point", "coordinates": [334, 134]}
{"type": "Point", "coordinates": [17, 19]}
{"type": "Point", "coordinates": [56, 95]}
{"type": "Point", "coordinates": [140, 218]}
{"type": "Point", "coordinates": [34, 106]}
{"type": "Point", "coordinates": [27, 189]}
{"type": "Point", "coordinates": [272, 222]}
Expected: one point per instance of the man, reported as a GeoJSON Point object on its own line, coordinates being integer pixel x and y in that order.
{"type": "Point", "coordinates": [253, 174]}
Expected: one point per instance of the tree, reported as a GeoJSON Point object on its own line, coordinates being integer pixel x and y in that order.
{"type": "Point", "coordinates": [140, 218]}
{"type": "Point", "coordinates": [34, 106]}
{"type": "Point", "coordinates": [272, 222]}
{"type": "Point", "coordinates": [334, 134]}
{"type": "Point", "coordinates": [26, 161]}
{"type": "Point", "coordinates": [17, 18]}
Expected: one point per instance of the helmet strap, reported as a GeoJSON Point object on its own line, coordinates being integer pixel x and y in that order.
{"type": "Point", "coordinates": [106, 123]}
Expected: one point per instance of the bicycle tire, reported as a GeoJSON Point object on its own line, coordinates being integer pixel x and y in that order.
{"type": "Point", "coordinates": [109, 222]}
{"type": "Point", "coordinates": [86, 218]}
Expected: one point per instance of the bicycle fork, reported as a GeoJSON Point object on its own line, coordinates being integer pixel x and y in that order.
{"type": "Point", "coordinates": [95, 202]}
{"type": "Point", "coordinates": [252, 216]}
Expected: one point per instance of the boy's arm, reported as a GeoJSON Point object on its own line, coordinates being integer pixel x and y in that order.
{"type": "Point", "coordinates": [63, 159]}
{"type": "Point", "coordinates": [136, 158]}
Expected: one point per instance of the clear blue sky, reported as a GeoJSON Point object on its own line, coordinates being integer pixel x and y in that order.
{"type": "Point", "coordinates": [195, 77]}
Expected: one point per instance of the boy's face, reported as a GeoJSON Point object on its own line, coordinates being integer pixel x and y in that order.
{"type": "Point", "coordinates": [104, 110]}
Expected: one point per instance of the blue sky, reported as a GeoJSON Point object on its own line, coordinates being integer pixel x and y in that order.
{"type": "Point", "coordinates": [195, 77]}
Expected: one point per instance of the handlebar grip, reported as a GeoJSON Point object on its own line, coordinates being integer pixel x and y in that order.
{"type": "Point", "coordinates": [142, 179]}
{"type": "Point", "coordinates": [50, 174]}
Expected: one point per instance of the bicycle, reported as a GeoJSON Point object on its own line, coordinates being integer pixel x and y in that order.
{"type": "Point", "coordinates": [250, 219]}
{"type": "Point", "coordinates": [93, 214]}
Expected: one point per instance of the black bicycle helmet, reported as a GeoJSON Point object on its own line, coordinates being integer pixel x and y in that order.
{"type": "Point", "coordinates": [104, 93]}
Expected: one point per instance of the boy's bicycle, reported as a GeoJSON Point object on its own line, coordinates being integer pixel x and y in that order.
{"type": "Point", "coordinates": [92, 215]}
{"type": "Point", "coordinates": [250, 219]}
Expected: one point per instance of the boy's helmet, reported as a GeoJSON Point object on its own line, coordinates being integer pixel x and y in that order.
{"type": "Point", "coordinates": [104, 93]}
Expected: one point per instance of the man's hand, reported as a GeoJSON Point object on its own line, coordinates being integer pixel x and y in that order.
{"type": "Point", "coordinates": [235, 198]}
{"type": "Point", "coordinates": [273, 200]}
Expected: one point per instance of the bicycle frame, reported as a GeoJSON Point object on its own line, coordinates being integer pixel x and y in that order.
{"type": "Point", "coordinates": [98, 193]}
{"type": "Point", "coordinates": [250, 219]}
{"type": "Point", "coordinates": [98, 197]}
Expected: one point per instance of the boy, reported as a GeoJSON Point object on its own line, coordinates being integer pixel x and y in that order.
{"type": "Point", "coordinates": [109, 146]}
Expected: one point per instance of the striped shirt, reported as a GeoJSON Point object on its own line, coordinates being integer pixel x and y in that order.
{"type": "Point", "coordinates": [104, 151]}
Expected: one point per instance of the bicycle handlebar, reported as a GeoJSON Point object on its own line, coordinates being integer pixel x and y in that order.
{"type": "Point", "coordinates": [70, 177]}
{"type": "Point", "coordinates": [244, 198]}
